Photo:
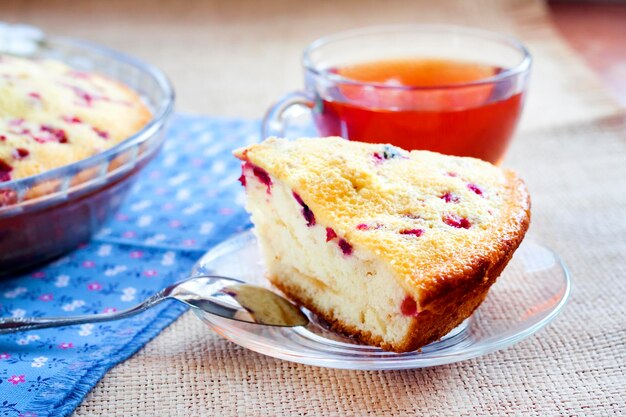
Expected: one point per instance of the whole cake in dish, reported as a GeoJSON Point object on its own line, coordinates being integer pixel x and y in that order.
{"type": "Point", "coordinates": [392, 247]}
{"type": "Point", "coordinates": [52, 115]}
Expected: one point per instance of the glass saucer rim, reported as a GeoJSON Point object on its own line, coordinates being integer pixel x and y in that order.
{"type": "Point", "coordinates": [391, 360]}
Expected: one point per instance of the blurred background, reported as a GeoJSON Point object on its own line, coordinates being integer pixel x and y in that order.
{"type": "Point", "coordinates": [234, 58]}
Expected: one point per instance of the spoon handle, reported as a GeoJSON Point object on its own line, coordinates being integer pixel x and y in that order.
{"type": "Point", "coordinates": [11, 325]}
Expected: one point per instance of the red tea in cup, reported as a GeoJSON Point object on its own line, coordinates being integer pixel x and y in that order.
{"type": "Point", "coordinates": [470, 120]}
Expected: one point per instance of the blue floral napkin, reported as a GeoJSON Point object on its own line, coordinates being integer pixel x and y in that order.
{"type": "Point", "coordinates": [185, 202]}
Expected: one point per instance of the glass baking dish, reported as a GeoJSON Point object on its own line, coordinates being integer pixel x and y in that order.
{"type": "Point", "coordinates": [46, 215]}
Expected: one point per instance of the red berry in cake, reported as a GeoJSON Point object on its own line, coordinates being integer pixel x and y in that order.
{"type": "Point", "coordinates": [408, 307]}
{"type": "Point", "coordinates": [260, 174]}
{"type": "Point", "coordinates": [242, 179]}
{"type": "Point", "coordinates": [72, 119]}
{"type": "Point", "coordinates": [345, 247]}
{"type": "Point", "coordinates": [365, 226]}
{"type": "Point", "coordinates": [5, 171]}
{"type": "Point", "coordinates": [103, 134]}
{"type": "Point", "coordinates": [456, 221]}
{"type": "Point", "coordinates": [57, 134]}
{"type": "Point", "coordinates": [330, 234]}
{"type": "Point", "coordinates": [306, 211]}
{"type": "Point", "coordinates": [20, 153]}
{"type": "Point", "coordinates": [475, 188]}
{"type": "Point", "coordinates": [263, 176]}
{"type": "Point", "coordinates": [412, 232]}
{"type": "Point", "coordinates": [85, 96]}
{"type": "Point", "coordinates": [34, 95]}
{"type": "Point", "coordinates": [450, 198]}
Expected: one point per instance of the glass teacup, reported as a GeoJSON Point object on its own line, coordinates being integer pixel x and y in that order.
{"type": "Point", "coordinates": [453, 90]}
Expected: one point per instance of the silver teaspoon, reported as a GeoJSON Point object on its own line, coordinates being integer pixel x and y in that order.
{"type": "Point", "coordinates": [225, 297]}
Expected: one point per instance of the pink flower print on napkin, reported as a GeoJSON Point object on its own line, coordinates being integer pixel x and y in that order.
{"type": "Point", "coordinates": [150, 273]}
{"type": "Point", "coordinates": [189, 242]}
{"type": "Point", "coordinates": [66, 345]}
{"type": "Point", "coordinates": [17, 379]}
{"type": "Point", "coordinates": [109, 310]}
{"type": "Point", "coordinates": [46, 297]}
{"type": "Point", "coordinates": [94, 286]}
{"type": "Point", "coordinates": [121, 217]}
{"type": "Point", "coordinates": [175, 223]}
{"type": "Point", "coordinates": [89, 264]}
{"type": "Point", "coordinates": [129, 234]}
{"type": "Point", "coordinates": [136, 254]}
{"type": "Point", "coordinates": [38, 274]}
{"type": "Point", "coordinates": [4, 355]}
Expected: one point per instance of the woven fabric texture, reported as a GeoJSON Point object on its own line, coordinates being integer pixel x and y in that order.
{"type": "Point", "coordinates": [235, 58]}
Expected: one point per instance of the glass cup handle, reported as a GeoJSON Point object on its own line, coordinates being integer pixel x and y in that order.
{"type": "Point", "coordinates": [276, 120]}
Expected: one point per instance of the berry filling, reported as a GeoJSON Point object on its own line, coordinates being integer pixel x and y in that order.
{"type": "Point", "coordinates": [412, 232]}
{"type": "Point", "coordinates": [408, 307]}
{"type": "Point", "coordinates": [457, 221]}
{"type": "Point", "coordinates": [103, 134]}
{"type": "Point", "coordinates": [5, 171]}
{"type": "Point", "coordinates": [36, 96]}
{"type": "Point", "coordinates": [53, 134]}
{"type": "Point", "coordinates": [72, 119]}
{"type": "Point", "coordinates": [330, 234]}
{"type": "Point", "coordinates": [306, 211]}
{"type": "Point", "coordinates": [261, 175]}
{"type": "Point", "coordinates": [242, 179]}
{"type": "Point", "coordinates": [365, 226]}
{"type": "Point", "coordinates": [85, 96]}
{"type": "Point", "coordinates": [475, 188]}
{"type": "Point", "coordinates": [345, 247]}
{"type": "Point", "coordinates": [450, 198]}
{"type": "Point", "coordinates": [20, 153]}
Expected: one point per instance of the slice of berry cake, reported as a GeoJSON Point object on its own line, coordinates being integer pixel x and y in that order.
{"type": "Point", "coordinates": [395, 248]}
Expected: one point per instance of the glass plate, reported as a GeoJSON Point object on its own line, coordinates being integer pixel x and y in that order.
{"type": "Point", "coordinates": [528, 295]}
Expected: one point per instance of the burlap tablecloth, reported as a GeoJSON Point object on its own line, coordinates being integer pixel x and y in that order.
{"type": "Point", "coordinates": [235, 58]}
